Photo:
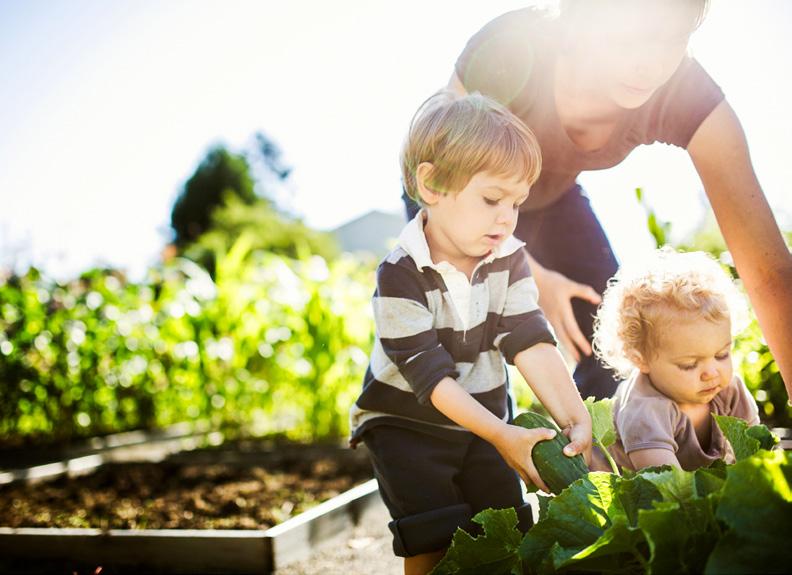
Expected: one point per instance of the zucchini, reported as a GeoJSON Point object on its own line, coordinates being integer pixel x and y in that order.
{"type": "Point", "coordinates": [556, 469]}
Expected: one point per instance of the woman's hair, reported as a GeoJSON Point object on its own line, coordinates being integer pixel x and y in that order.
{"type": "Point", "coordinates": [574, 10]}
{"type": "Point", "coordinates": [641, 303]}
{"type": "Point", "coordinates": [462, 136]}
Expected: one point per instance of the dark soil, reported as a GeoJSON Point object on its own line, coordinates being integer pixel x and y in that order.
{"type": "Point", "coordinates": [247, 485]}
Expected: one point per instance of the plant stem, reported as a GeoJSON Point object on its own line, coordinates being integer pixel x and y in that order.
{"type": "Point", "coordinates": [613, 465]}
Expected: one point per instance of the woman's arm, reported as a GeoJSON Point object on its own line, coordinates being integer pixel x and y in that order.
{"type": "Point", "coordinates": [720, 154]}
{"type": "Point", "coordinates": [652, 458]}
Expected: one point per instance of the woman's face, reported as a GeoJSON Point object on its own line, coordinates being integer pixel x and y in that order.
{"type": "Point", "coordinates": [630, 49]}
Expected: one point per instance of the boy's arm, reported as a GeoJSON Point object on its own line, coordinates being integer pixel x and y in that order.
{"type": "Point", "coordinates": [547, 375]}
{"type": "Point", "coordinates": [405, 330]}
{"type": "Point", "coordinates": [514, 443]}
{"type": "Point", "coordinates": [641, 458]}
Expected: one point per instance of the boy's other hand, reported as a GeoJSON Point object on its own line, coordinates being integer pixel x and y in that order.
{"type": "Point", "coordinates": [515, 445]}
{"type": "Point", "coordinates": [579, 435]}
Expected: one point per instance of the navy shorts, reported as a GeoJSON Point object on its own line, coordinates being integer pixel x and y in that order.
{"type": "Point", "coordinates": [567, 237]}
{"type": "Point", "coordinates": [431, 485]}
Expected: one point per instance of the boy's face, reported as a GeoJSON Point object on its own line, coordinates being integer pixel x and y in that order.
{"type": "Point", "coordinates": [693, 362]}
{"type": "Point", "coordinates": [464, 227]}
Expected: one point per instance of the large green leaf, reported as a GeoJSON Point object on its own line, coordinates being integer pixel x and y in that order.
{"type": "Point", "coordinates": [745, 440]}
{"type": "Point", "coordinates": [591, 526]}
{"type": "Point", "coordinates": [763, 435]}
{"type": "Point", "coordinates": [494, 552]}
{"type": "Point", "coordinates": [709, 480]}
{"type": "Point", "coordinates": [756, 506]}
{"type": "Point", "coordinates": [673, 483]}
{"type": "Point", "coordinates": [681, 535]}
{"type": "Point", "coordinates": [602, 428]}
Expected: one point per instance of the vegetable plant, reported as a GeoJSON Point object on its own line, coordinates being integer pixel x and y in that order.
{"type": "Point", "coordinates": [722, 519]}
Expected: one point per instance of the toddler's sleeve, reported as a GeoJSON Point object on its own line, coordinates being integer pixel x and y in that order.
{"type": "Point", "coordinates": [522, 324]}
{"type": "Point", "coordinates": [405, 329]}
{"type": "Point", "coordinates": [742, 403]}
{"type": "Point", "coordinates": [648, 423]}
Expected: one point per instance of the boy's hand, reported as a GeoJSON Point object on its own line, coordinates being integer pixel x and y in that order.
{"type": "Point", "coordinates": [579, 435]}
{"type": "Point", "coordinates": [515, 445]}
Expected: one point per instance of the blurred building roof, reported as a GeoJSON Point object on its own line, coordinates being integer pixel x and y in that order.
{"type": "Point", "coordinates": [374, 232]}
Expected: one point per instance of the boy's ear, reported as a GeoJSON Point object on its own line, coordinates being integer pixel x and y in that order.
{"type": "Point", "coordinates": [422, 173]}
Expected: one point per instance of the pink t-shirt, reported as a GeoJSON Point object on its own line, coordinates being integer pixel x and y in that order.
{"type": "Point", "coordinates": [647, 419]}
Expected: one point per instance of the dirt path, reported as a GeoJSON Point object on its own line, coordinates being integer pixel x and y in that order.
{"type": "Point", "coordinates": [367, 550]}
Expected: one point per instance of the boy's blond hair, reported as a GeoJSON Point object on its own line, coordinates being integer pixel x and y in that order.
{"type": "Point", "coordinates": [462, 136]}
{"type": "Point", "coordinates": [641, 304]}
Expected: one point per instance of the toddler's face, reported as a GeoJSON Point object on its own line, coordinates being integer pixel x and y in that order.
{"type": "Point", "coordinates": [468, 225]}
{"type": "Point", "coordinates": [693, 363]}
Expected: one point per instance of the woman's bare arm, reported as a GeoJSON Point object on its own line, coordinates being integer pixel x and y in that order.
{"type": "Point", "coordinates": [720, 154]}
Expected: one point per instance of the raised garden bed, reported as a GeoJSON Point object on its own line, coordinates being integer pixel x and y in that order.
{"type": "Point", "coordinates": [242, 508]}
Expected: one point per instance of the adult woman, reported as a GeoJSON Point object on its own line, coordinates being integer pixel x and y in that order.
{"type": "Point", "coordinates": [593, 82]}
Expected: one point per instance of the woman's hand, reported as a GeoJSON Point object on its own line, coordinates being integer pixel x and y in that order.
{"type": "Point", "coordinates": [515, 445]}
{"type": "Point", "coordinates": [555, 298]}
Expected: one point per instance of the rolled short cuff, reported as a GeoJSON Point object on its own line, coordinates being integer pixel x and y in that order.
{"type": "Point", "coordinates": [428, 531]}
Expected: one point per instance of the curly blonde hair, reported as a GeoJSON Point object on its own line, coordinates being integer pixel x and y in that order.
{"type": "Point", "coordinates": [641, 302]}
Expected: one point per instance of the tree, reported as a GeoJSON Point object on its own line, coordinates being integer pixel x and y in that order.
{"type": "Point", "coordinates": [230, 194]}
{"type": "Point", "coordinates": [221, 172]}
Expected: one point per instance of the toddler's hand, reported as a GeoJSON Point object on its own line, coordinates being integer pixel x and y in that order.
{"type": "Point", "coordinates": [515, 445]}
{"type": "Point", "coordinates": [579, 435]}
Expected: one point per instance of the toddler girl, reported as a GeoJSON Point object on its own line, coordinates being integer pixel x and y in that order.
{"type": "Point", "coordinates": [667, 328]}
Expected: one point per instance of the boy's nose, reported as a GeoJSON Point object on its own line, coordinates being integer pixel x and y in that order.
{"type": "Point", "coordinates": [506, 215]}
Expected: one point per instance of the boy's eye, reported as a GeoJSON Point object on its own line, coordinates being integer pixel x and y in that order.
{"type": "Point", "coordinates": [490, 201]}
{"type": "Point", "coordinates": [723, 356]}
{"type": "Point", "coordinates": [687, 367]}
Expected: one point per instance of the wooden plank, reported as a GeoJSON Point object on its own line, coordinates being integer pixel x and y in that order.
{"type": "Point", "coordinates": [180, 551]}
{"type": "Point", "coordinates": [127, 551]}
{"type": "Point", "coordinates": [300, 536]}
{"type": "Point", "coordinates": [154, 448]}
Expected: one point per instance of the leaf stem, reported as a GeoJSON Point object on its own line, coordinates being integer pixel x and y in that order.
{"type": "Point", "coordinates": [605, 452]}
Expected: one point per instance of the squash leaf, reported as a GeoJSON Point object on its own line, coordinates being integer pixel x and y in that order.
{"type": "Point", "coordinates": [494, 552]}
{"type": "Point", "coordinates": [591, 525]}
{"type": "Point", "coordinates": [756, 506]}
{"type": "Point", "coordinates": [602, 428]}
{"type": "Point", "coordinates": [745, 440]}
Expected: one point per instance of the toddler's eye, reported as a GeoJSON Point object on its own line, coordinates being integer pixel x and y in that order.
{"type": "Point", "coordinates": [723, 356]}
{"type": "Point", "coordinates": [687, 367]}
{"type": "Point", "coordinates": [490, 201]}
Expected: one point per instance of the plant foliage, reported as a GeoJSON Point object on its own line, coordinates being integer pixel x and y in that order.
{"type": "Point", "coordinates": [271, 344]}
{"type": "Point", "coordinates": [722, 519]}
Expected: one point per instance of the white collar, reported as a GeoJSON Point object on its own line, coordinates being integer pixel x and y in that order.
{"type": "Point", "coordinates": [413, 241]}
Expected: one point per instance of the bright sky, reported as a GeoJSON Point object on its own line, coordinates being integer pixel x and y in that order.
{"type": "Point", "coordinates": [107, 107]}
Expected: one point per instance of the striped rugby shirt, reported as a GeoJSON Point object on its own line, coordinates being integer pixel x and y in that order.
{"type": "Point", "coordinates": [432, 322]}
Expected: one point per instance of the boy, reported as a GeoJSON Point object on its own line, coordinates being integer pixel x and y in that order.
{"type": "Point", "coordinates": [453, 300]}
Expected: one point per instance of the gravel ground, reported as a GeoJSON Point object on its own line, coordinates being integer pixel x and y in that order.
{"type": "Point", "coordinates": [368, 549]}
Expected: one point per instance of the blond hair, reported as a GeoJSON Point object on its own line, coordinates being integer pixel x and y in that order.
{"type": "Point", "coordinates": [462, 136]}
{"type": "Point", "coordinates": [635, 309]}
